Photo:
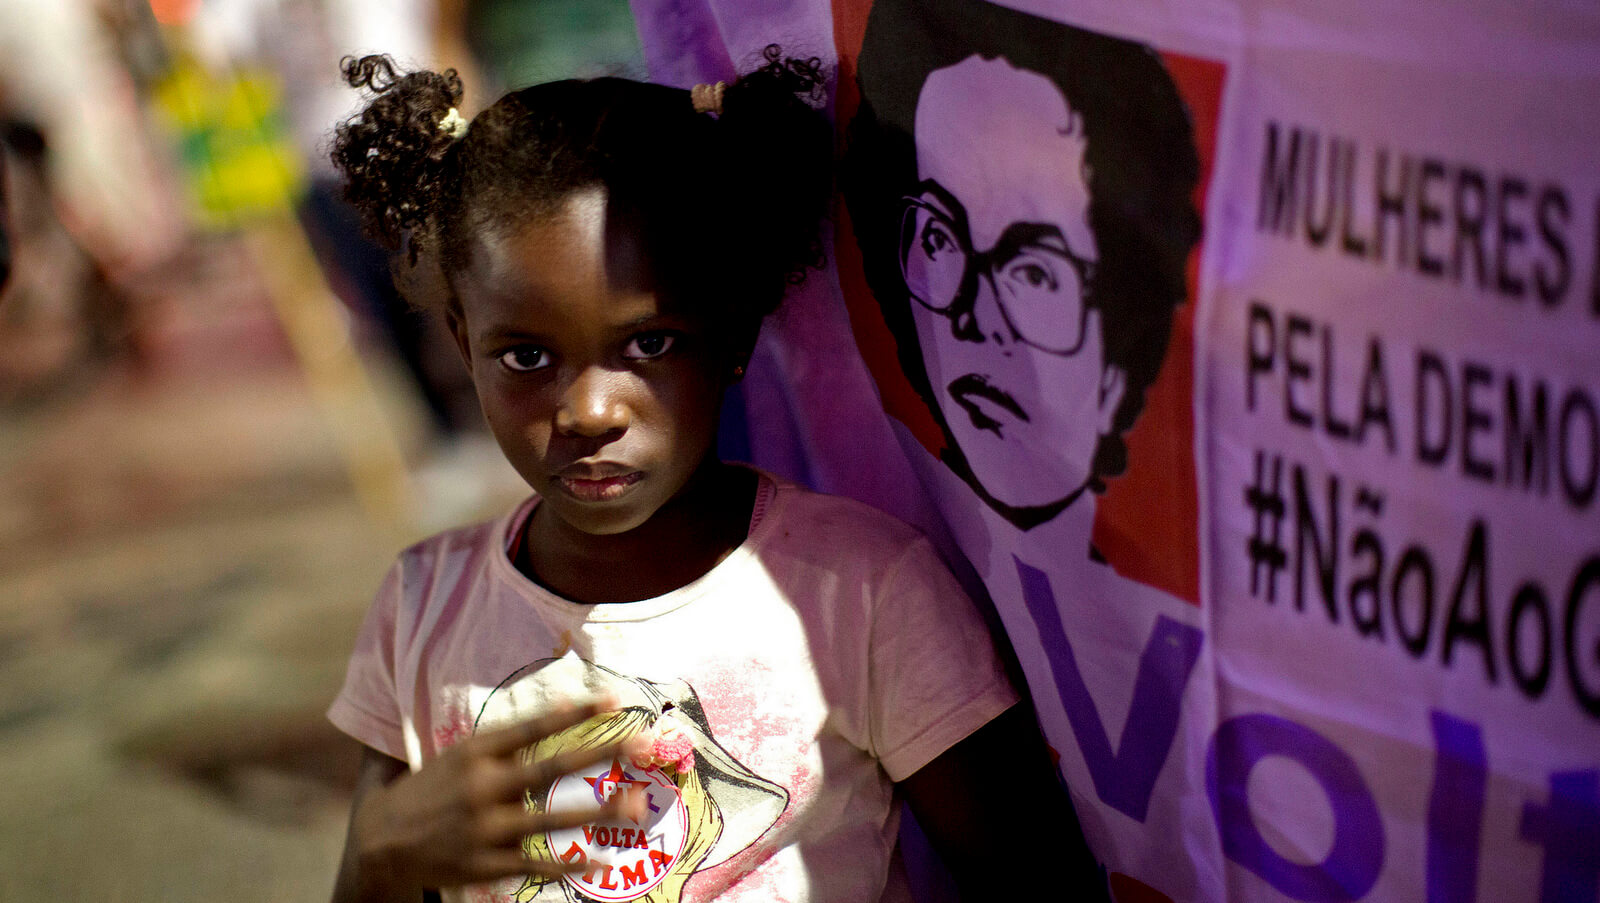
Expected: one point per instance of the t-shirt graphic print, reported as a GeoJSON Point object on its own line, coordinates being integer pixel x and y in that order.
{"type": "Point", "coordinates": [702, 805]}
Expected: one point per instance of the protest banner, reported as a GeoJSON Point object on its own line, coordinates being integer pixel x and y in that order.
{"type": "Point", "coordinates": [1242, 354]}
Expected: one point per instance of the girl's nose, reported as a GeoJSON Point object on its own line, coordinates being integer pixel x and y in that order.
{"type": "Point", "coordinates": [592, 405]}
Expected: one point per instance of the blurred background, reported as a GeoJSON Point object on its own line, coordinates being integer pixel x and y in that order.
{"type": "Point", "coordinates": [218, 423]}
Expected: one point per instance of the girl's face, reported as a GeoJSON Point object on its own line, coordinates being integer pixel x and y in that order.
{"type": "Point", "coordinates": [603, 398]}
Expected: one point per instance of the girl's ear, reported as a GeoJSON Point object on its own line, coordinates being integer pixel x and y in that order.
{"type": "Point", "coordinates": [458, 330]}
{"type": "Point", "coordinates": [732, 362]}
{"type": "Point", "coordinates": [737, 352]}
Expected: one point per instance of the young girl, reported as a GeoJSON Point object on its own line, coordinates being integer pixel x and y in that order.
{"type": "Point", "coordinates": [663, 677]}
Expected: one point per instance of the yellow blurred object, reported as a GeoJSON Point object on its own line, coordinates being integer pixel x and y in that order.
{"type": "Point", "coordinates": [232, 142]}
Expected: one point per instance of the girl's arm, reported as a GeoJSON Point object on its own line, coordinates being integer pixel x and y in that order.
{"type": "Point", "coordinates": [995, 811]}
{"type": "Point", "coordinates": [354, 883]}
{"type": "Point", "coordinates": [461, 818]}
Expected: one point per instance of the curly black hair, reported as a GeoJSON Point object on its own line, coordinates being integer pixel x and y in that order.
{"type": "Point", "coordinates": [751, 184]}
{"type": "Point", "coordinates": [1141, 167]}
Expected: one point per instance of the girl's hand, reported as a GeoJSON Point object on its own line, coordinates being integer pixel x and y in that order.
{"type": "Point", "coordinates": [461, 819]}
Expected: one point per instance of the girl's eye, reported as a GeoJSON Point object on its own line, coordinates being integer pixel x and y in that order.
{"type": "Point", "coordinates": [647, 345]}
{"type": "Point", "coordinates": [528, 357]}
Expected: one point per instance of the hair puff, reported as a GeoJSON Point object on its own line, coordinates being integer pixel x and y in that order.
{"type": "Point", "coordinates": [394, 154]}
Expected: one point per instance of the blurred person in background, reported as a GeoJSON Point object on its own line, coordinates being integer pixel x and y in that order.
{"type": "Point", "coordinates": [61, 317]}
{"type": "Point", "coordinates": [302, 42]}
{"type": "Point", "coordinates": [92, 209]}
{"type": "Point", "coordinates": [61, 71]}
{"type": "Point", "coordinates": [5, 231]}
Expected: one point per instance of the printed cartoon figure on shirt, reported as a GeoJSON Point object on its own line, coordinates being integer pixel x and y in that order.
{"type": "Point", "coordinates": [702, 805]}
{"type": "Point", "coordinates": [1021, 192]}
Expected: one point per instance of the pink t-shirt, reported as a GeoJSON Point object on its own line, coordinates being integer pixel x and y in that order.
{"type": "Point", "coordinates": [828, 656]}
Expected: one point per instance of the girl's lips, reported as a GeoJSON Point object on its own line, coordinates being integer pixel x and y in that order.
{"type": "Point", "coordinates": [603, 489]}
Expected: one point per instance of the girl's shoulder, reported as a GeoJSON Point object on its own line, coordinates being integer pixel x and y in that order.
{"type": "Point", "coordinates": [461, 547]}
{"type": "Point", "coordinates": [842, 522]}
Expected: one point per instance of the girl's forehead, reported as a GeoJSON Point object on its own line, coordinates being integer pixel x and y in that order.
{"type": "Point", "coordinates": [566, 243]}
{"type": "Point", "coordinates": [582, 241]}
{"type": "Point", "coordinates": [580, 260]}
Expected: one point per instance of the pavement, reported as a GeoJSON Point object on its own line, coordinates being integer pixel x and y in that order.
{"type": "Point", "coordinates": [183, 567]}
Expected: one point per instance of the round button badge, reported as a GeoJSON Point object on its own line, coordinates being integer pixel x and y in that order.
{"type": "Point", "coordinates": [622, 859]}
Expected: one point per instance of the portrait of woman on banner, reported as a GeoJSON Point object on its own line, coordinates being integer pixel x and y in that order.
{"type": "Point", "coordinates": [1022, 196]}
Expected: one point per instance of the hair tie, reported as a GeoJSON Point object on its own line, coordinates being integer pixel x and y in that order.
{"type": "Point", "coordinates": [708, 98]}
{"type": "Point", "coordinates": [453, 124]}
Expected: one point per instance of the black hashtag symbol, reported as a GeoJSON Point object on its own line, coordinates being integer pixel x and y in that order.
{"type": "Point", "coordinates": [1265, 498]}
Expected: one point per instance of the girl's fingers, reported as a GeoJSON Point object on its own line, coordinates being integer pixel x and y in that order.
{"type": "Point", "coordinates": [501, 854]}
{"type": "Point", "coordinates": [536, 776]}
{"type": "Point", "coordinates": [506, 741]}
{"type": "Point", "coordinates": [510, 824]}
{"type": "Point", "coordinates": [489, 865]}
{"type": "Point", "coordinates": [519, 825]}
